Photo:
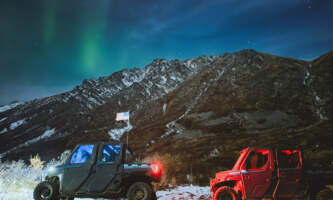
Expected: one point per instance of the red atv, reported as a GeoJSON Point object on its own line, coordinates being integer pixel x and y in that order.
{"type": "Point", "coordinates": [273, 174]}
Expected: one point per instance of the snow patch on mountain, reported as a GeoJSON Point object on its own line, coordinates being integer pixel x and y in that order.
{"type": "Point", "coordinates": [16, 124]}
{"type": "Point", "coordinates": [190, 64]}
{"type": "Point", "coordinates": [306, 78]}
{"type": "Point", "coordinates": [129, 79]}
{"type": "Point", "coordinates": [173, 126]}
{"type": "Point", "coordinates": [8, 107]}
{"type": "Point", "coordinates": [163, 80]}
{"type": "Point", "coordinates": [214, 153]}
{"type": "Point", "coordinates": [320, 110]}
{"type": "Point", "coordinates": [3, 131]}
{"type": "Point", "coordinates": [46, 134]}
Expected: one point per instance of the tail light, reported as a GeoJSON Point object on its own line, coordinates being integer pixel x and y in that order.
{"type": "Point", "coordinates": [156, 169]}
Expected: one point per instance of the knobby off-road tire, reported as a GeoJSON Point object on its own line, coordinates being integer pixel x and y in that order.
{"type": "Point", "coordinates": [325, 194]}
{"type": "Point", "coordinates": [46, 191]}
{"type": "Point", "coordinates": [140, 191]}
{"type": "Point", "coordinates": [225, 193]}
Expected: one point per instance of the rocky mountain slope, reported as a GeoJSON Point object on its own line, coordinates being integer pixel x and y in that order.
{"type": "Point", "coordinates": [30, 124]}
{"type": "Point", "coordinates": [202, 111]}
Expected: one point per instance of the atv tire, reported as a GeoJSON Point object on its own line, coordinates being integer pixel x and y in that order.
{"type": "Point", "coordinates": [46, 191]}
{"type": "Point", "coordinates": [140, 191]}
{"type": "Point", "coordinates": [225, 193]}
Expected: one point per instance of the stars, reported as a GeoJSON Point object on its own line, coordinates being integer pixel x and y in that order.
{"type": "Point", "coordinates": [309, 4]}
{"type": "Point", "coordinates": [251, 43]}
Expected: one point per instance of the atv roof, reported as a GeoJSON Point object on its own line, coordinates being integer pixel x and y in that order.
{"type": "Point", "coordinates": [271, 148]}
{"type": "Point", "coordinates": [113, 142]}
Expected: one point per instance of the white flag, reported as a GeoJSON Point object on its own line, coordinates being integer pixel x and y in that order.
{"type": "Point", "coordinates": [122, 116]}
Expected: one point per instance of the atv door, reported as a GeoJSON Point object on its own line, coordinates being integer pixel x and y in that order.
{"type": "Point", "coordinates": [257, 173]}
{"type": "Point", "coordinates": [289, 173]}
{"type": "Point", "coordinates": [78, 168]}
{"type": "Point", "coordinates": [105, 174]}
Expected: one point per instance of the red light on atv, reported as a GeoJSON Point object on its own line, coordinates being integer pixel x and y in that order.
{"type": "Point", "coordinates": [156, 169]}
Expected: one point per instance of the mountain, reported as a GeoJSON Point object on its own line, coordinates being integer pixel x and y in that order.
{"type": "Point", "coordinates": [201, 111]}
{"type": "Point", "coordinates": [28, 125]}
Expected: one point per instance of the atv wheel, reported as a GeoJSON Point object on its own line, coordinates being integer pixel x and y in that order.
{"type": "Point", "coordinates": [46, 191]}
{"type": "Point", "coordinates": [225, 193]}
{"type": "Point", "coordinates": [140, 191]}
{"type": "Point", "coordinates": [325, 194]}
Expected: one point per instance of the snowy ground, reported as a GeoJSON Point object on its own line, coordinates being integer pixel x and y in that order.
{"type": "Point", "coordinates": [179, 193]}
{"type": "Point", "coordinates": [185, 193]}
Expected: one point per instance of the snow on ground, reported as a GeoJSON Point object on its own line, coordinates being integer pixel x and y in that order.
{"type": "Point", "coordinates": [23, 193]}
{"type": "Point", "coordinates": [17, 180]}
{"type": "Point", "coordinates": [179, 193]}
{"type": "Point", "coordinates": [14, 125]}
{"type": "Point", "coordinates": [189, 192]}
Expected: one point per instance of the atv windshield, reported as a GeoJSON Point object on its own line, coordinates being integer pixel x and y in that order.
{"type": "Point", "coordinates": [240, 160]}
{"type": "Point", "coordinates": [110, 153]}
{"type": "Point", "coordinates": [82, 154]}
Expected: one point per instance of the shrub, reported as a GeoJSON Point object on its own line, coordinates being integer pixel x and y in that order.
{"type": "Point", "coordinates": [18, 180]}
{"type": "Point", "coordinates": [36, 163]}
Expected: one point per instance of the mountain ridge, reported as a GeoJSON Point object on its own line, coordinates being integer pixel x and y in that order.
{"type": "Point", "coordinates": [211, 105]}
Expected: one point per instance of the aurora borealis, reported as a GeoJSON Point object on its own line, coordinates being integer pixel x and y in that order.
{"type": "Point", "coordinates": [49, 46]}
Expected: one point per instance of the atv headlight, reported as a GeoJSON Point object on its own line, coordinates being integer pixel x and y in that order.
{"type": "Point", "coordinates": [52, 170]}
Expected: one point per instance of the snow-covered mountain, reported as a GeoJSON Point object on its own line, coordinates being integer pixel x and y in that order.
{"type": "Point", "coordinates": [213, 106]}
{"type": "Point", "coordinates": [23, 124]}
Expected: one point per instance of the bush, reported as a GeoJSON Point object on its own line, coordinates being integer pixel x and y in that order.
{"type": "Point", "coordinates": [18, 180]}
{"type": "Point", "coordinates": [36, 163]}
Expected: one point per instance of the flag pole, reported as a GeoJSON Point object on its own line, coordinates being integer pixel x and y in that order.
{"type": "Point", "coordinates": [124, 116]}
{"type": "Point", "coordinates": [128, 122]}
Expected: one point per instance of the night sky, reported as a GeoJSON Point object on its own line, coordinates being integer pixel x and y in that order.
{"type": "Point", "coordinates": [50, 46]}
